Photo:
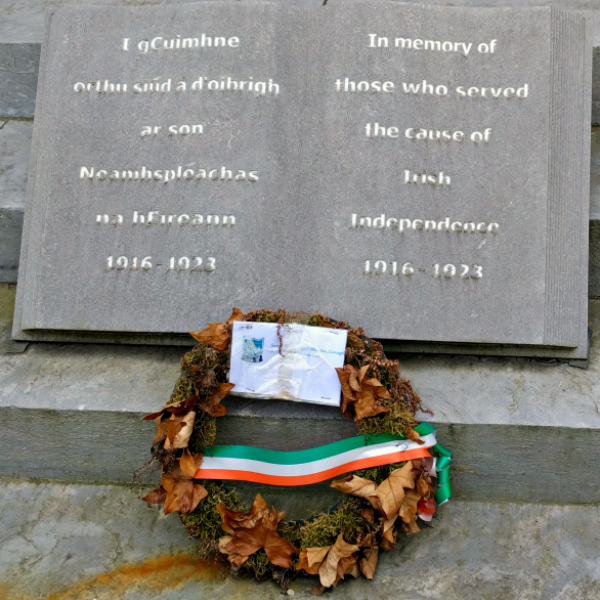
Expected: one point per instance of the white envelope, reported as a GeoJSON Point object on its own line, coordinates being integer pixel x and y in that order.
{"type": "Point", "coordinates": [287, 362]}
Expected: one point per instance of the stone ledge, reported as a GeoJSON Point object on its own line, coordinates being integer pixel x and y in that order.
{"type": "Point", "coordinates": [490, 462]}
{"type": "Point", "coordinates": [78, 409]}
{"type": "Point", "coordinates": [459, 389]}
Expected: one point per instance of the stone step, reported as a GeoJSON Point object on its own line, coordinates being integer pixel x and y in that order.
{"type": "Point", "coordinates": [84, 542]}
{"type": "Point", "coordinates": [520, 429]}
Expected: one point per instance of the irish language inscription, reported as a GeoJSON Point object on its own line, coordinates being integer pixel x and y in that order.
{"type": "Point", "coordinates": [391, 164]}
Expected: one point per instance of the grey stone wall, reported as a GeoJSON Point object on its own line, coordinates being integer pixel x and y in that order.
{"type": "Point", "coordinates": [520, 428]}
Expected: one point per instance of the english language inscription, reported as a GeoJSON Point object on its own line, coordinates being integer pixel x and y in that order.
{"type": "Point", "coordinates": [420, 170]}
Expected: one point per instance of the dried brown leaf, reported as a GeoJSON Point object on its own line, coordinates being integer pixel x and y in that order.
{"type": "Point", "coordinates": [368, 564]}
{"type": "Point", "coordinates": [157, 496]}
{"type": "Point", "coordinates": [182, 438]}
{"type": "Point", "coordinates": [247, 541]}
{"type": "Point", "coordinates": [212, 404]}
{"type": "Point", "coordinates": [250, 532]}
{"type": "Point", "coordinates": [318, 590]}
{"type": "Point", "coordinates": [390, 493]}
{"type": "Point", "coordinates": [183, 494]}
{"type": "Point", "coordinates": [369, 398]}
{"type": "Point", "coordinates": [190, 464]}
{"type": "Point", "coordinates": [355, 486]}
{"type": "Point", "coordinates": [386, 545]}
{"type": "Point", "coordinates": [348, 396]}
{"type": "Point", "coordinates": [346, 566]}
{"type": "Point", "coordinates": [237, 560]}
{"type": "Point", "coordinates": [329, 569]}
{"type": "Point", "coordinates": [312, 558]}
{"type": "Point", "coordinates": [413, 436]}
{"type": "Point", "coordinates": [409, 528]}
{"type": "Point", "coordinates": [387, 529]}
{"type": "Point", "coordinates": [216, 335]}
{"type": "Point", "coordinates": [423, 487]}
{"type": "Point", "coordinates": [182, 408]}
{"type": "Point", "coordinates": [236, 315]}
{"type": "Point", "coordinates": [408, 510]}
{"type": "Point", "coordinates": [179, 430]}
{"type": "Point", "coordinates": [368, 514]}
{"type": "Point", "coordinates": [356, 376]}
{"type": "Point", "coordinates": [166, 408]}
{"type": "Point", "coordinates": [161, 430]}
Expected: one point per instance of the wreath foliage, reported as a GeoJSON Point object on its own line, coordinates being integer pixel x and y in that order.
{"type": "Point", "coordinates": [377, 503]}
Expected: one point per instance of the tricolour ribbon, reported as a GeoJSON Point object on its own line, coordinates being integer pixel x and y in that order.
{"type": "Point", "coordinates": [302, 467]}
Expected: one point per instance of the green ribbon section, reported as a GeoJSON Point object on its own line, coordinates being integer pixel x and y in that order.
{"type": "Point", "coordinates": [276, 457]}
{"type": "Point", "coordinates": [444, 490]}
{"type": "Point", "coordinates": [301, 456]}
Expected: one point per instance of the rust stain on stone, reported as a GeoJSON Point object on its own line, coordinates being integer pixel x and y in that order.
{"type": "Point", "coordinates": [159, 573]}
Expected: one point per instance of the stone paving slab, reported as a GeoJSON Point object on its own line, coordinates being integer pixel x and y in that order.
{"type": "Point", "coordinates": [74, 542]}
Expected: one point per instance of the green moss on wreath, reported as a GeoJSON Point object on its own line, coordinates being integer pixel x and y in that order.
{"type": "Point", "coordinates": [258, 566]}
{"type": "Point", "coordinates": [324, 530]}
{"type": "Point", "coordinates": [378, 474]}
{"type": "Point", "coordinates": [204, 523]}
{"type": "Point", "coordinates": [205, 431]}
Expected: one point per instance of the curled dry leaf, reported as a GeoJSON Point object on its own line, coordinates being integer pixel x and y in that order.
{"type": "Point", "coordinates": [251, 532]}
{"type": "Point", "coordinates": [369, 402]}
{"type": "Point", "coordinates": [390, 494]}
{"type": "Point", "coordinates": [386, 545]}
{"type": "Point", "coordinates": [362, 393]}
{"type": "Point", "coordinates": [347, 566]}
{"type": "Point", "coordinates": [355, 486]}
{"type": "Point", "coordinates": [318, 590]}
{"type": "Point", "coordinates": [236, 560]}
{"type": "Point", "coordinates": [366, 540]}
{"type": "Point", "coordinates": [183, 494]}
{"type": "Point", "coordinates": [212, 404]}
{"type": "Point", "coordinates": [190, 464]}
{"type": "Point", "coordinates": [312, 558]}
{"type": "Point", "coordinates": [387, 529]}
{"type": "Point", "coordinates": [247, 541]}
{"type": "Point", "coordinates": [157, 496]}
{"type": "Point", "coordinates": [348, 396]}
{"type": "Point", "coordinates": [179, 430]}
{"type": "Point", "coordinates": [328, 571]}
{"type": "Point", "coordinates": [408, 510]}
{"type": "Point", "coordinates": [368, 564]}
{"type": "Point", "coordinates": [182, 408]}
{"type": "Point", "coordinates": [234, 519]}
{"type": "Point", "coordinates": [236, 315]}
{"type": "Point", "coordinates": [170, 408]}
{"type": "Point", "coordinates": [409, 528]}
{"type": "Point", "coordinates": [161, 430]}
{"type": "Point", "coordinates": [413, 436]}
{"type": "Point", "coordinates": [218, 335]}
{"type": "Point", "coordinates": [368, 514]}
{"type": "Point", "coordinates": [424, 487]}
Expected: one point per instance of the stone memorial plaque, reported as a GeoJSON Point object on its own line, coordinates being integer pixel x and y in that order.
{"type": "Point", "coordinates": [421, 171]}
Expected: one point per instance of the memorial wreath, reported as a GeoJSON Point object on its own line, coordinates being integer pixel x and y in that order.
{"type": "Point", "coordinates": [389, 491]}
